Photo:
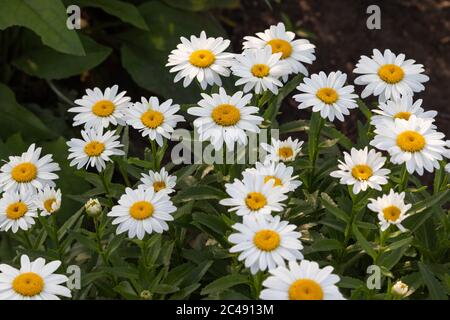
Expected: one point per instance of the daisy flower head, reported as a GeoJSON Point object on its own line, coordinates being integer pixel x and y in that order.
{"type": "Point", "coordinates": [95, 149]}
{"type": "Point", "coordinates": [48, 200]}
{"type": "Point", "coordinates": [260, 70]}
{"type": "Point", "coordinates": [97, 109]}
{"type": "Point", "coordinates": [304, 281]}
{"type": "Point", "coordinates": [153, 119]}
{"type": "Point", "coordinates": [391, 209]}
{"type": "Point", "coordinates": [29, 172]}
{"type": "Point", "coordinates": [413, 142]}
{"type": "Point", "coordinates": [327, 94]}
{"type": "Point", "coordinates": [160, 181]}
{"type": "Point", "coordinates": [362, 169]}
{"type": "Point", "coordinates": [253, 196]}
{"type": "Point", "coordinates": [201, 58]}
{"type": "Point", "coordinates": [265, 244]}
{"type": "Point", "coordinates": [282, 150]}
{"type": "Point", "coordinates": [34, 280]}
{"type": "Point", "coordinates": [387, 75]}
{"type": "Point", "coordinates": [17, 211]}
{"type": "Point", "coordinates": [294, 52]}
{"type": "Point", "coordinates": [224, 118]}
{"type": "Point", "coordinates": [278, 172]}
{"type": "Point", "coordinates": [142, 211]}
{"type": "Point", "coordinates": [402, 108]}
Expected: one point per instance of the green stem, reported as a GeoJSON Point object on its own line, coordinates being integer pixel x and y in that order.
{"type": "Point", "coordinates": [101, 251]}
{"type": "Point", "coordinates": [55, 237]}
{"type": "Point", "coordinates": [315, 141]}
{"type": "Point", "coordinates": [106, 187]}
{"type": "Point", "coordinates": [27, 240]}
{"type": "Point", "coordinates": [257, 283]}
{"type": "Point", "coordinates": [404, 177]}
{"type": "Point", "coordinates": [154, 158]}
{"type": "Point", "coordinates": [383, 235]}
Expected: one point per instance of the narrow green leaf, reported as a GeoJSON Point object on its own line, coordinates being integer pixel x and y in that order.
{"type": "Point", "coordinates": [224, 283]}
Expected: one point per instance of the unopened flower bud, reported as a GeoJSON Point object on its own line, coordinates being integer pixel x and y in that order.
{"type": "Point", "coordinates": [146, 295]}
{"type": "Point", "coordinates": [400, 289]}
{"type": "Point", "coordinates": [93, 207]}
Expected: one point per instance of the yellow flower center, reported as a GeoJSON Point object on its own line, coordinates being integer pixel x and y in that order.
{"type": "Point", "coordinates": [411, 141]}
{"type": "Point", "coordinates": [403, 115]}
{"type": "Point", "coordinates": [16, 210]}
{"type": "Point", "coordinates": [285, 152]}
{"type": "Point", "coordinates": [282, 46]}
{"type": "Point", "coordinates": [266, 240]}
{"type": "Point", "coordinates": [362, 172]}
{"type": "Point", "coordinates": [277, 181]}
{"type": "Point", "coordinates": [260, 70]}
{"type": "Point", "coordinates": [24, 172]}
{"type": "Point", "coordinates": [327, 95]}
{"type": "Point", "coordinates": [202, 58]}
{"type": "Point", "coordinates": [152, 119]}
{"type": "Point", "coordinates": [28, 284]}
{"type": "Point", "coordinates": [391, 213]}
{"type": "Point", "coordinates": [159, 185]}
{"type": "Point", "coordinates": [305, 289]}
{"type": "Point", "coordinates": [141, 210]}
{"type": "Point", "coordinates": [48, 204]}
{"type": "Point", "coordinates": [226, 115]}
{"type": "Point", "coordinates": [103, 108]}
{"type": "Point", "coordinates": [94, 148]}
{"type": "Point", "coordinates": [255, 200]}
{"type": "Point", "coordinates": [391, 73]}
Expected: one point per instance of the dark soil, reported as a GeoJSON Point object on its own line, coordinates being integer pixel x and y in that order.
{"type": "Point", "coordinates": [418, 28]}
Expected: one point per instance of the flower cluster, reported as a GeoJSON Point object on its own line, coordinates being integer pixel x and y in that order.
{"type": "Point", "coordinates": [260, 197]}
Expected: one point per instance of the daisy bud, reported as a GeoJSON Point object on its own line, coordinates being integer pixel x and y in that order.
{"type": "Point", "coordinates": [400, 289]}
{"type": "Point", "coordinates": [93, 207]}
{"type": "Point", "coordinates": [146, 295]}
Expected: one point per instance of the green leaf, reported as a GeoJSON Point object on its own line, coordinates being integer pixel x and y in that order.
{"type": "Point", "coordinates": [165, 289]}
{"type": "Point", "coordinates": [213, 222]}
{"type": "Point", "coordinates": [336, 134]}
{"type": "Point", "coordinates": [224, 283]}
{"type": "Point", "coordinates": [316, 124]}
{"type": "Point", "coordinates": [200, 192]}
{"type": "Point", "coordinates": [350, 283]}
{"type": "Point", "coordinates": [366, 245]}
{"type": "Point", "coordinates": [120, 9]}
{"type": "Point", "coordinates": [332, 207]}
{"type": "Point", "coordinates": [436, 290]}
{"type": "Point", "coordinates": [15, 118]}
{"type": "Point", "coordinates": [45, 63]}
{"type": "Point", "coordinates": [47, 18]}
{"type": "Point", "coordinates": [69, 223]}
{"type": "Point", "coordinates": [325, 245]}
{"type": "Point", "coordinates": [144, 54]}
{"type": "Point", "coordinates": [294, 126]}
{"type": "Point", "coordinates": [203, 5]}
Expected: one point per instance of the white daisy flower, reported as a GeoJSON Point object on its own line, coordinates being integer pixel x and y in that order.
{"type": "Point", "coordinates": [142, 211]}
{"type": "Point", "coordinates": [259, 69]}
{"type": "Point", "coordinates": [283, 150]}
{"type": "Point", "coordinates": [159, 181]}
{"type": "Point", "coordinates": [265, 244]}
{"type": "Point", "coordinates": [402, 108]}
{"type": "Point", "coordinates": [17, 211]}
{"type": "Point", "coordinates": [202, 58]}
{"type": "Point", "coordinates": [99, 109]}
{"type": "Point", "coordinates": [48, 200]}
{"type": "Point", "coordinates": [278, 172]}
{"type": "Point", "coordinates": [327, 94]}
{"type": "Point", "coordinates": [413, 142]}
{"type": "Point", "coordinates": [223, 118]}
{"type": "Point", "coordinates": [301, 282]}
{"type": "Point", "coordinates": [293, 52]}
{"type": "Point", "coordinates": [252, 196]}
{"type": "Point", "coordinates": [391, 209]}
{"type": "Point", "coordinates": [153, 119]}
{"type": "Point", "coordinates": [33, 281]}
{"type": "Point", "coordinates": [363, 169]}
{"type": "Point", "coordinates": [29, 172]}
{"type": "Point", "coordinates": [95, 149]}
{"type": "Point", "coordinates": [389, 76]}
